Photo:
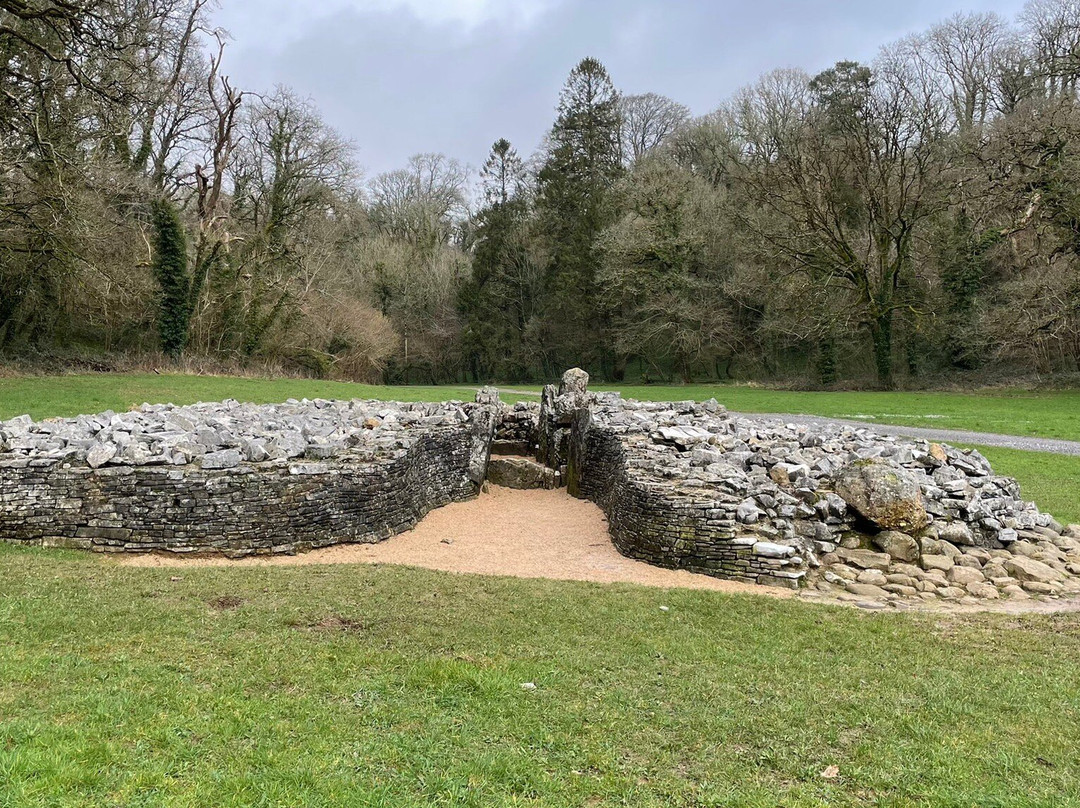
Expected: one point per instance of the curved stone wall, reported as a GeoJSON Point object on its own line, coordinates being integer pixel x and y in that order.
{"type": "Point", "coordinates": [660, 523]}
{"type": "Point", "coordinates": [684, 485]}
{"type": "Point", "coordinates": [840, 509]}
{"type": "Point", "coordinates": [284, 505]}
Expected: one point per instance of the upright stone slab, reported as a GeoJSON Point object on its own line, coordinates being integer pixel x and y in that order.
{"type": "Point", "coordinates": [557, 408]}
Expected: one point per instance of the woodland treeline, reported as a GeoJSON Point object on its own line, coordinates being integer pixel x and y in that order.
{"type": "Point", "coordinates": [888, 223]}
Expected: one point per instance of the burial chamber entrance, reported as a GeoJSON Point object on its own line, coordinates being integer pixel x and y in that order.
{"type": "Point", "coordinates": [683, 485]}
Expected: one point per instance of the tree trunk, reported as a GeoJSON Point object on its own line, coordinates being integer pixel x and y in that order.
{"type": "Point", "coordinates": [881, 333]}
{"type": "Point", "coordinates": [619, 372]}
{"type": "Point", "coordinates": [827, 364]}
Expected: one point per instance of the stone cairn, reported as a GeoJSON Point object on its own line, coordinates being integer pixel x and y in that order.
{"type": "Point", "coordinates": [833, 507]}
{"type": "Point", "coordinates": [684, 485]}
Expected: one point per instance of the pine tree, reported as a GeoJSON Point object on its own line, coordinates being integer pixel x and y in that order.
{"type": "Point", "coordinates": [171, 272]}
{"type": "Point", "coordinates": [494, 302]}
{"type": "Point", "coordinates": [502, 173]}
{"type": "Point", "coordinates": [575, 205]}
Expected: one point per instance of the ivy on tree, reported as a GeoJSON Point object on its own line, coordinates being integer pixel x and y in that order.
{"type": "Point", "coordinates": [171, 273]}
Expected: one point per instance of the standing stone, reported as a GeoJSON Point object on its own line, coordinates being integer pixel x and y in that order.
{"type": "Point", "coordinates": [557, 408]}
{"type": "Point", "coordinates": [482, 424]}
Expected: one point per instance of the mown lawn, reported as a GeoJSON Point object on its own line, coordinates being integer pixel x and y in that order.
{"type": "Point", "coordinates": [1035, 414]}
{"type": "Point", "coordinates": [388, 686]}
{"type": "Point", "coordinates": [1039, 414]}
{"type": "Point", "coordinates": [61, 396]}
{"type": "Point", "coordinates": [1052, 481]}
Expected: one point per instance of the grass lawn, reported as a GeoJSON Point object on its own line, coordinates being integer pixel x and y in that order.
{"type": "Point", "coordinates": [1039, 414]}
{"type": "Point", "coordinates": [388, 686]}
{"type": "Point", "coordinates": [47, 396]}
{"type": "Point", "coordinates": [1051, 481]}
{"type": "Point", "coordinates": [1035, 414]}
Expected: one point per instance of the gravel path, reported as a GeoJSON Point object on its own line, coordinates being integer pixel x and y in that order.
{"type": "Point", "coordinates": [524, 534]}
{"type": "Point", "coordinates": [1049, 445]}
{"type": "Point", "coordinates": [1061, 447]}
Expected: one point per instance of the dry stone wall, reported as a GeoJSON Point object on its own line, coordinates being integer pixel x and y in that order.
{"type": "Point", "coordinates": [684, 485]}
{"type": "Point", "coordinates": [238, 479]}
{"type": "Point", "coordinates": [837, 508]}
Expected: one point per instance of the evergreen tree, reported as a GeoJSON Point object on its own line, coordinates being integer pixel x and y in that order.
{"type": "Point", "coordinates": [502, 173]}
{"type": "Point", "coordinates": [575, 205]}
{"type": "Point", "coordinates": [496, 302]}
{"type": "Point", "coordinates": [171, 272]}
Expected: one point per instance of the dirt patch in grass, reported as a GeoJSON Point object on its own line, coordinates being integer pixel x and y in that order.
{"type": "Point", "coordinates": [226, 603]}
{"type": "Point", "coordinates": [335, 623]}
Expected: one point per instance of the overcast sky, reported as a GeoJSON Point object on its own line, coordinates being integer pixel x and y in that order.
{"type": "Point", "coordinates": [399, 77]}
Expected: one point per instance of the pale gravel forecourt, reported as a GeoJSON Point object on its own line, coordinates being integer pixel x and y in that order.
{"type": "Point", "coordinates": [522, 534]}
{"type": "Point", "coordinates": [542, 534]}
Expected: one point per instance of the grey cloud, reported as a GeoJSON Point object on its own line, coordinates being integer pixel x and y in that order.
{"type": "Point", "coordinates": [398, 82]}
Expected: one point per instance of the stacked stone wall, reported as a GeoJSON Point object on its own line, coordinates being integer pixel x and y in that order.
{"type": "Point", "coordinates": [839, 509]}
{"type": "Point", "coordinates": [365, 493]}
{"type": "Point", "coordinates": [653, 521]}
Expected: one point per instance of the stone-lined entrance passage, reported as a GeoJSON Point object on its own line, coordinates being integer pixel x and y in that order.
{"type": "Point", "coordinates": [684, 485]}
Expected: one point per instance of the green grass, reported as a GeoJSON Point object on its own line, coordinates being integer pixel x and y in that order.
{"type": "Point", "coordinates": [387, 686]}
{"type": "Point", "coordinates": [1052, 481]}
{"type": "Point", "coordinates": [62, 396]}
{"type": "Point", "coordinates": [1034, 414]}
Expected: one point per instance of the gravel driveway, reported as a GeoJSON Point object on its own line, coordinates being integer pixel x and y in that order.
{"type": "Point", "coordinates": [1061, 447]}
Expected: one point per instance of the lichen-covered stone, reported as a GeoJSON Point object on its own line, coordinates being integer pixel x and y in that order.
{"type": "Point", "coordinates": [521, 473]}
{"type": "Point", "coordinates": [884, 494]}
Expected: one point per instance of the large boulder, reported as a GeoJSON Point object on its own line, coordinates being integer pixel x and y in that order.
{"type": "Point", "coordinates": [1031, 571]}
{"type": "Point", "coordinates": [521, 473]}
{"type": "Point", "coordinates": [884, 494]}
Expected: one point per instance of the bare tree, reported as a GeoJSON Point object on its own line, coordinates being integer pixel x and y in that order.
{"type": "Point", "coordinates": [647, 121]}
{"type": "Point", "coordinates": [963, 54]}
{"type": "Point", "coordinates": [1052, 31]}
{"type": "Point", "coordinates": [841, 171]}
{"type": "Point", "coordinates": [213, 237]}
{"type": "Point", "coordinates": [421, 202]}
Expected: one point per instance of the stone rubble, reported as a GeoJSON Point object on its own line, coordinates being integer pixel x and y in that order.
{"type": "Point", "coordinates": [225, 434]}
{"type": "Point", "coordinates": [834, 507]}
{"type": "Point", "coordinates": [829, 507]}
{"type": "Point", "coordinates": [238, 478]}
